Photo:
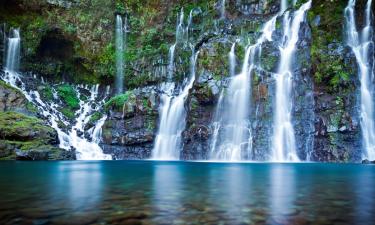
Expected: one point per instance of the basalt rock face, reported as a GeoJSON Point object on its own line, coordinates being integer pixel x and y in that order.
{"type": "Point", "coordinates": [337, 125]}
{"type": "Point", "coordinates": [129, 131]}
{"type": "Point", "coordinates": [325, 107]}
{"type": "Point", "coordinates": [11, 99]}
{"type": "Point", "coordinates": [73, 41]}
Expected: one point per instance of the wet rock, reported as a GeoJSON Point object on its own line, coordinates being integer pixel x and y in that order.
{"type": "Point", "coordinates": [366, 161]}
{"type": "Point", "coordinates": [28, 138]}
{"type": "Point", "coordinates": [129, 131]}
{"type": "Point", "coordinates": [11, 99]}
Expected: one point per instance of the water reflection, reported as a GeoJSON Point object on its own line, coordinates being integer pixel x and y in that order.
{"type": "Point", "coordinates": [79, 185]}
{"type": "Point", "coordinates": [282, 192]}
{"type": "Point", "coordinates": [167, 188]}
{"type": "Point", "coordinates": [228, 185]}
{"type": "Point", "coordinates": [186, 193]}
{"type": "Point", "coordinates": [363, 187]}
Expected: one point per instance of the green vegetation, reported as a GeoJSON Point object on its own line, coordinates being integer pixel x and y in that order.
{"type": "Point", "coordinates": [118, 101]}
{"type": "Point", "coordinates": [16, 126]}
{"type": "Point", "coordinates": [24, 133]}
{"type": "Point", "coordinates": [31, 108]}
{"type": "Point", "coordinates": [95, 117]}
{"type": "Point", "coordinates": [68, 113]}
{"type": "Point", "coordinates": [328, 68]}
{"type": "Point", "coordinates": [47, 93]}
{"type": "Point", "coordinates": [7, 86]}
{"type": "Point", "coordinates": [335, 73]}
{"type": "Point", "coordinates": [68, 95]}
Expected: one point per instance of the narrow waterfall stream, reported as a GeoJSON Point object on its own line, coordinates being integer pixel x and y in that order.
{"type": "Point", "coordinates": [13, 54]}
{"type": "Point", "coordinates": [172, 111]}
{"type": "Point", "coordinates": [362, 45]}
{"type": "Point", "coordinates": [283, 141]}
{"type": "Point", "coordinates": [70, 139]}
{"type": "Point", "coordinates": [232, 139]}
{"type": "Point", "coordinates": [120, 37]}
{"type": "Point", "coordinates": [222, 9]}
{"type": "Point", "coordinates": [173, 120]}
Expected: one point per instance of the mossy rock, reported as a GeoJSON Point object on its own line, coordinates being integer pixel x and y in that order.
{"type": "Point", "coordinates": [18, 127]}
{"type": "Point", "coordinates": [117, 102]}
{"type": "Point", "coordinates": [28, 138]}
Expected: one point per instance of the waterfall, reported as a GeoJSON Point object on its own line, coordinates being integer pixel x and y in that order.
{"type": "Point", "coordinates": [86, 150]}
{"type": "Point", "coordinates": [362, 44]}
{"type": "Point", "coordinates": [283, 142]}
{"type": "Point", "coordinates": [232, 139]}
{"type": "Point", "coordinates": [120, 37]}
{"type": "Point", "coordinates": [232, 60]}
{"type": "Point", "coordinates": [13, 51]}
{"type": "Point", "coordinates": [222, 9]}
{"type": "Point", "coordinates": [171, 62]}
{"type": "Point", "coordinates": [172, 119]}
{"type": "Point", "coordinates": [172, 110]}
{"type": "Point", "coordinates": [181, 36]}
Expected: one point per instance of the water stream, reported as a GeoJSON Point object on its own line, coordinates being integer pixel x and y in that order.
{"type": "Point", "coordinates": [362, 44]}
{"type": "Point", "coordinates": [73, 138]}
{"type": "Point", "coordinates": [120, 47]}
{"type": "Point", "coordinates": [172, 119]}
{"type": "Point", "coordinates": [283, 141]}
{"type": "Point", "coordinates": [232, 138]}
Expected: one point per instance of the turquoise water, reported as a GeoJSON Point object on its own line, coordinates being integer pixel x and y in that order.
{"type": "Point", "coordinates": [147, 192]}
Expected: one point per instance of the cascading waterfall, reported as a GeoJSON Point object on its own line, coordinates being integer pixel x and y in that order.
{"type": "Point", "coordinates": [172, 120]}
{"type": "Point", "coordinates": [120, 47]}
{"type": "Point", "coordinates": [86, 150]}
{"type": "Point", "coordinates": [180, 32]}
{"type": "Point", "coordinates": [362, 44]}
{"type": "Point", "coordinates": [232, 60]}
{"type": "Point", "coordinates": [181, 36]}
{"type": "Point", "coordinates": [283, 142]}
{"type": "Point", "coordinates": [13, 51]}
{"type": "Point", "coordinates": [172, 111]}
{"type": "Point", "coordinates": [232, 139]}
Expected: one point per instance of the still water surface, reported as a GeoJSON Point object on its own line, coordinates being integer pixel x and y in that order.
{"type": "Point", "coordinates": [148, 192]}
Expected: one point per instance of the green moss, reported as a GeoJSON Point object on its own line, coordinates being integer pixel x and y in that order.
{"type": "Point", "coordinates": [117, 102]}
{"type": "Point", "coordinates": [269, 62]}
{"type": "Point", "coordinates": [31, 108]}
{"type": "Point", "coordinates": [68, 113]}
{"type": "Point", "coordinates": [47, 93]}
{"type": "Point", "coordinates": [68, 95]}
{"type": "Point", "coordinates": [151, 124]}
{"type": "Point", "coordinates": [16, 126]}
{"type": "Point", "coordinates": [8, 150]}
{"type": "Point", "coordinates": [95, 117]}
{"type": "Point", "coordinates": [328, 69]}
{"type": "Point", "coordinates": [7, 86]}
{"type": "Point", "coordinates": [106, 65]}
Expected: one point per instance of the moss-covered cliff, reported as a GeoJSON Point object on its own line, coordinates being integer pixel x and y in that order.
{"type": "Point", "coordinates": [66, 40]}
{"type": "Point", "coordinates": [22, 135]}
